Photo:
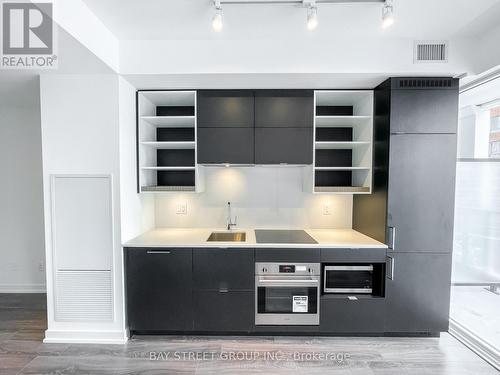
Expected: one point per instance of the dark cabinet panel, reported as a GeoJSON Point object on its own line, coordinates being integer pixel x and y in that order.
{"type": "Point", "coordinates": [159, 289]}
{"type": "Point", "coordinates": [424, 111]}
{"type": "Point", "coordinates": [353, 255]}
{"type": "Point", "coordinates": [284, 108]}
{"type": "Point", "coordinates": [226, 145]}
{"type": "Point", "coordinates": [418, 296]}
{"type": "Point", "coordinates": [421, 191]}
{"type": "Point", "coordinates": [223, 269]}
{"type": "Point", "coordinates": [224, 312]}
{"type": "Point", "coordinates": [287, 255]}
{"type": "Point", "coordinates": [225, 108]}
{"type": "Point", "coordinates": [283, 145]}
{"type": "Point", "coordinates": [340, 314]}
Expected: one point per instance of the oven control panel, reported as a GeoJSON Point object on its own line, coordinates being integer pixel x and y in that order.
{"type": "Point", "coordinates": [287, 268]}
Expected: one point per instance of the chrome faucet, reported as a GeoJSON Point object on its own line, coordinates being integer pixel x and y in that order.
{"type": "Point", "coordinates": [229, 218]}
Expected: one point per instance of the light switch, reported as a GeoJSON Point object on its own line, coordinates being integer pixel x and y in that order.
{"type": "Point", "coordinates": [181, 208]}
{"type": "Point", "coordinates": [326, 209]}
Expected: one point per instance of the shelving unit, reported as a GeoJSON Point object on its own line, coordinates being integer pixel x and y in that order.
{"type": "Point", "coordinates": [343, 137]}
{"type": "Point", "coordinates": [166, 142]}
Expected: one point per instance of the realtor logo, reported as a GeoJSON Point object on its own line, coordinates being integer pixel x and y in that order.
{"type": "Point", "coordinates": [27, 35]}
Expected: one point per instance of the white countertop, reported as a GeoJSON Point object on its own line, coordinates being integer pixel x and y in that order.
{"type": "Point", "coordinates": [197, 237]}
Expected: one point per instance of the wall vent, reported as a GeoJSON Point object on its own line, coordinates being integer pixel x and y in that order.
{"type": "Point", "coordinates": [424, 83]}
{"type": "Point", "coordinates": [428, 52]}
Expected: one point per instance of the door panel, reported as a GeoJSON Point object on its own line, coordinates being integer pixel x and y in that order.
{"type": "Point", "coordinates": [421, 191]}
{"type": "Point", "coordinates": [159, 289]}
{"type": "Point", "coordinates": [339, 314]}
{"type": "Point", "coordinates": [226, 145]}
{"type": "Point", "coordinates": [284, 108]}
{"type": "Point", "coordinates": [424, 111]}
{"type": "Point", "coordinates": [418, 296]}
{"type": "Point", "coordinates": [283, 145]}
{"type": "Point", "coordinates": [225, 108]}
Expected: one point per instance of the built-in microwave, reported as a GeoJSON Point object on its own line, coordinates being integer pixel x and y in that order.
{"type": "Point", "coordinates": [348, 278]}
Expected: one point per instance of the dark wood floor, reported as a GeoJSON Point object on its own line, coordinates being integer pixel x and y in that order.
{"type": "Point", "coordinates": [23, 321]}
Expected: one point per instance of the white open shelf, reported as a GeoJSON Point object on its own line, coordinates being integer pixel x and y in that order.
{"type": "Point", "coordinates": [166, 137]}
{"type": "Point", "coordinates": [349, 115]}
{"type": "Point", "coordinates": [170, 121]}
{"type": "Point", "coordinates": [170, 145]}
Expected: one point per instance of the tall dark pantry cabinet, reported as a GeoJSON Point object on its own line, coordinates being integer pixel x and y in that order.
{"type": "Point", "coordinates": [412, 205]}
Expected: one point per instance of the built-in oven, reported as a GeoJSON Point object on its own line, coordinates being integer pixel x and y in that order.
{"type": "Point", "coordinates": [348, 278]}
{"type": "Point", "coordinates": [287, 293]}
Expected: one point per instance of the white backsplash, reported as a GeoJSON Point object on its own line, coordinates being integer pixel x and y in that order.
{"type": "Point", "coordinates": [261, 197]}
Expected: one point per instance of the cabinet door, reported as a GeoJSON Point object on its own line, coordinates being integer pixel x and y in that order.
{"type": "Point", "coordinates": [225, 108]}
{"type": "Point", "coordinates": [224, 311]}
{"type": "Point", "coordinates": [225, 145]}
{"type": "Point", "coordinates": [283, 145]}
{"type": "Point", "coordinates": [418, 296]}
{"type": "Point", "coordinates": [224, 269]}
{"type": "Point", "coordinates": [287, 255]}
{"type": "Point", "coordinates": [424, 111]}
{"type": "Point", "coordinates": [353, 255]}
{"type": "Point", "coordinates": [284, 108]}
{"type": "Point", "coordinates": [422, 192]}
{"type": "Point", "coordinates": [340, 314]}
{"type": "Point", "coordinates": [159, 290]}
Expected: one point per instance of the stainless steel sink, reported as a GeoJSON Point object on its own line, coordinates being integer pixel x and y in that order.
{"type": "Point", "coordinates": [228, 237]}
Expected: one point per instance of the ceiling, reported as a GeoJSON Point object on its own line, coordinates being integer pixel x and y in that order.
{"type": "Point", "coordinates": [190, 19]}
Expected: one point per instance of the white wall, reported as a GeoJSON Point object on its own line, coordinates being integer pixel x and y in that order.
{"type": "Point", "coordinates": [80, 135]}
{"type": "Point", "coordinates": [260, 197]}
{"type": "Point", "coordinates": [22, 255]}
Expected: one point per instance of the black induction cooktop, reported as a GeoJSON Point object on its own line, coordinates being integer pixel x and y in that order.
{"type": "Point", "coordinates": [283, 236]}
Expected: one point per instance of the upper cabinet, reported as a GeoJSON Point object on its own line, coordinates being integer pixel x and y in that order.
{"type": "Point", "coordinates": [424, 105]}
{"type": "Point", "coordinates": [284, 108]}
{"type": "Point", "coordinates": [225, 109]}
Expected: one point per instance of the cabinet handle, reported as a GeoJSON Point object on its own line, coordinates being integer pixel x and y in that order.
{"type": "Point", "coordinates": [389, 267]}
{"type": "Point", "coordinates": [223, 290]}
{"type": "Point", "coordinates": [392, 238]}
{"type": "Point", "coordinates": [158, 252]}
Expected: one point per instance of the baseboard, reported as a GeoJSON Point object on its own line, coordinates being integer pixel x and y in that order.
{"type": "Point", "coordinates": [481, 348]}
{"type": "Point", "coordinates": [85, 337]}
{"type": "Point", "coordinates": [23, 288]}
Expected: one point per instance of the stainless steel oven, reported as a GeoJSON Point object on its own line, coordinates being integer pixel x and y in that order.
{"type": "Point", "coordinates": [348, 278]}
{"type": "Point", "coordinates": [287, 293]}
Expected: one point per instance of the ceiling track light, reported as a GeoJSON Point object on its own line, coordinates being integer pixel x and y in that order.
{"type": "Point", "coordinates": [312, 15]}
{"type": "Point", "coordinates": [217, 24]}
{"type": "Point", "coordinates": [387, 14]}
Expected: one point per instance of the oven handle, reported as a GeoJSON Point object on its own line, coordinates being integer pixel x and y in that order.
{"type": "Point", "coordinates": [274, 281]}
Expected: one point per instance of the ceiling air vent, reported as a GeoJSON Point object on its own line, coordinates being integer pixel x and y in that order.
{"type": "Point", "coordinates": [427, 52]}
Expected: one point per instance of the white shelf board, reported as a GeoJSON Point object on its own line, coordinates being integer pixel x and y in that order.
{"type": "Point", "coordinates": [170, 121]}
{"type": "Point", "coordinates": [168, 168]}
{"type": "Point", "coordinates": [342, 168]}
{"type": "Point", "coordinates": [342, 121]}
{"type": "Point", "coordinates": [170, 98]}
{"type": "Point", "coordinates": [320, 145]}
{"type": "Point", "coordinates": [342, 97]}
{"type": "Point", "coordinates": [170, 145]}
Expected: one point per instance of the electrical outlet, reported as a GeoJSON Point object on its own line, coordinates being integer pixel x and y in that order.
{"type": "Point", "coordinates": [326, 209]}
{"type": "Point", "coordinates": [181, 208]}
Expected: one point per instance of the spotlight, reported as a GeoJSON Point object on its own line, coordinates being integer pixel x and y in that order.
{"type": "Point", "coordinates": [387, 14]}
{"type": "Point", "coordinates": [217, 24]}
{"type": "Point", "coordinates": [312, 17]}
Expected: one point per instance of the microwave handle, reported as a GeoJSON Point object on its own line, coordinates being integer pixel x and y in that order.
{"type": "Point", "coordinates": [389, 267]}
{"type": "Point", "coordinates": [391, 238]}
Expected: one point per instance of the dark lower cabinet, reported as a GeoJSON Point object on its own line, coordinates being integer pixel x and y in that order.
{"type": "Point", "coordinates": [229, 269]}
{"type": "Point", "coordinates": [283, 145]}
{"type": "Point", "coordinates": [418, 296]}
{"type": "Point", "coordinates": [231, 311]}
{"type": "Point", "coordinates": [353, 255]}
{"type": "Point", "coordinates": [159, 289]}
{"type": "Point", "coordinates": [287, 255]}
{"type": "Point", "coordinates": [339, 314]}
{"type": "Point", "coordinates": [225, 145]}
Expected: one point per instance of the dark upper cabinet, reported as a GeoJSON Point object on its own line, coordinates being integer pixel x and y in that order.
{"type": "Point", "coordinates": [223, 269]}
{"type": "Point", "coordinates": [225, 108]}
{"type": "Point", "coordinates": [284, 108]}
{"type": "Point", "coordinates": [159, 289]}
{"type": "Point", "coordinates": [424, 111]}
{"type": "Point", "coordinates": [283, 145]}
{"type": "Point", "coordinates": [418, 296]}
{"type": "Point", "coordinates": [225, 145]}
{"type": "Point", "coordinates": [421, 192]}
